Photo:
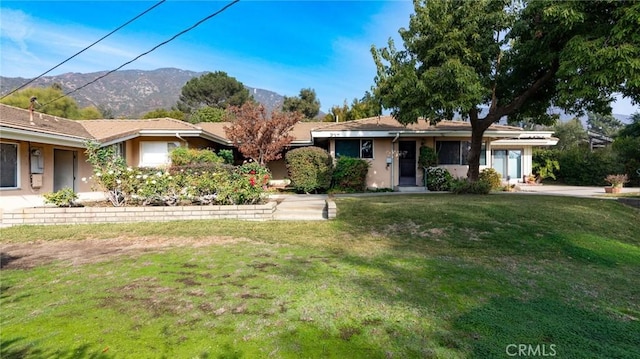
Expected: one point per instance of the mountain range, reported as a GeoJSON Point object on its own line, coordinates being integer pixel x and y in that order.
{"type": "Point", "coordinates": [130, 93]}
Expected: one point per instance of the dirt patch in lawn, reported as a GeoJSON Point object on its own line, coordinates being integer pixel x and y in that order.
{"type": "Point", "coordinates": [33, 254]}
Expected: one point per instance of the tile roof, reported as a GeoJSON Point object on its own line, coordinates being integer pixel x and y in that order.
{"type": "Point", "coordinates": [215, 128]}
{"type": "Point", "coordinates": [389, 124]}
{"type": "Point", "coordinates": [106, 130]}
{"type": "Point", "coordinates": [22, 119]}
{"type": "Point", "coordinates": [301, 131]}
{"type": "Point", "coordinates": [110, 130]}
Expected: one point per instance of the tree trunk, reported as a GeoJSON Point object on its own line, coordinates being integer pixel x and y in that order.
{"type": "Point", "coordinates": [478, 126]}
{"type": "Point", "coordinates": [474, 154]}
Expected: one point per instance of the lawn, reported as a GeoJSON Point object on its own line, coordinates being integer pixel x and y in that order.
{"type": "Point", "coordinates": [394, 276]}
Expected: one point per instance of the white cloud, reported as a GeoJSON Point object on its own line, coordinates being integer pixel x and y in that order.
{"type": "Point", "coordinates": [15, 29]}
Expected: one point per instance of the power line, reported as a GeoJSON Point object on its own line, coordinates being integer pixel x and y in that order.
{"type": "Point", "coordinates": [147, 52]}
{"type": "Point", "coordinates": [86, 48]}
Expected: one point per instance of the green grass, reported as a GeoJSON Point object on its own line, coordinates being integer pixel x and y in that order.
{"type": "Point", "coordinates": [410, 276]}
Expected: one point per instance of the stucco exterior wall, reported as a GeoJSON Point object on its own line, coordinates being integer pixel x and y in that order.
{"type": "Point", "coordinates": [84, 169]}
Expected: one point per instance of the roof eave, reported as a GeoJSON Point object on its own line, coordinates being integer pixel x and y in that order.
{"type": "Point", "coordinates": [17, 134]}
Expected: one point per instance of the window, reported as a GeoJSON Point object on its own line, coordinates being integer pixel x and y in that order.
{"type": "Point", "coordinates": [120, 149]}
{"type": "Point", "coordinates": [354, 148]}
{"type": "Point", "coordinates": [457, 153]}
{"type": "Point", "coordinates": [9, 165]}
{"type": "Point", "coordinates": [508, 163]}
{"type": "Point", "coordinates": [154, 154]}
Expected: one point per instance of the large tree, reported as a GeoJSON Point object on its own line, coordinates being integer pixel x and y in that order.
{"type": "Point", "coordinates": [162, 113]}
{"type": "Point", "coordinates": [51, 100]}
{"type": "Point", "coordinates": [259, 136]}
{"type": "Point", "coordinates": [516, 58]}
{"type": "Point", "coordinates": [603, 124]}
{"type": "Point", "coordinates": [367, 106]}
{"type": "Point", "coordinates": [306, 103]}
{"type": "Point", "coordinates": [213, 89]}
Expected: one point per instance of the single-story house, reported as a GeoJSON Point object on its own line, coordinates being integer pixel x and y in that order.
{"type": "Point", "coordinates": [40, 153]}
{"type": "Point", "coordinates": [393, 148]}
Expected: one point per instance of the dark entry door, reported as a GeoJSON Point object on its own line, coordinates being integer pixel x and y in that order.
{"type": "Point", "coordinates": [407, 157]}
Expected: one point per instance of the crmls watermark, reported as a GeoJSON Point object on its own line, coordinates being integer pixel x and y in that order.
{"type": "Point", "coordinates": [531, 350]}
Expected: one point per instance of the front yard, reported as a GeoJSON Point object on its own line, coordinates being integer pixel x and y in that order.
{"type": "Point", "coordinates": [398, 276]}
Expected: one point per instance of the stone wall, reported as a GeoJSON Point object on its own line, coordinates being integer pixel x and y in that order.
{"type": "Point", "coordinates": [76, 215]}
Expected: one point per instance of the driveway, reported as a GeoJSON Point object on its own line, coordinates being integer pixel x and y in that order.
{"type": "Point", "coordinates": [574, 191]}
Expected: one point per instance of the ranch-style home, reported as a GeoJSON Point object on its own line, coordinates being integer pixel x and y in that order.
{"type": "Point", "coordinates": [40, 153]}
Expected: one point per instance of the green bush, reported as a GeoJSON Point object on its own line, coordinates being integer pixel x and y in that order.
{"type": "Point", "coordinates": [350, 174]}
{"type": "Point", "coordinates": [182, 156]}
{"type": "Point", "coordinates": [438, 179]}
{"type": "Point", "coordinates": [580, 167]}
{"type": "Point", "coordinates": [492, 177]}
{"type": "Point", "coordinates": [545, 163]}
{"type": "Point", "coordinates": [226, 155]}
{"type": "Point", "coordinates": [200, 178]}
{"type": "Point", "coordinates": [65, 197]}
{"type": "Point", "coordinates": [463, 186]}
{"type": "Point", "coordinates": [310, 169]}
{"type": "Point", "coordinates": [428, 157]}
{"type": "Point", "coordinates": [628, 151]}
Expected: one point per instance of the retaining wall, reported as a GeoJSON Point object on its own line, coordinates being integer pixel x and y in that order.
{"type": "Point", "coordinates": [76, 215]}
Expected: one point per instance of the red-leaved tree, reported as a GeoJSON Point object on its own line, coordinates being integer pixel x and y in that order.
{"type": "Point", "coordinates": [259, 136]}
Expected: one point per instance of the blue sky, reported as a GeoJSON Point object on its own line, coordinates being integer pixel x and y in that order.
{"type": "Point", "coordinates": [282, 46]}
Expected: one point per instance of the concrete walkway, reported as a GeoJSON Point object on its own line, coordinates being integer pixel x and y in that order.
{"type": "Point", "coordinates": [574, 191]}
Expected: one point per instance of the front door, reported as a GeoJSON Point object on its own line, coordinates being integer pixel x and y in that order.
{"type": "Point", "coordinates": [407, 156]}
{"type": "Point", "coordinates": [64, 169]}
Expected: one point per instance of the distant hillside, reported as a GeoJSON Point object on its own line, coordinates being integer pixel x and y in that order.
{"type": "Point", "coordinates": [131, 93]}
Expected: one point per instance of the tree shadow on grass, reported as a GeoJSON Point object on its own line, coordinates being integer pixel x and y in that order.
{"type": "Point", "coordinates": [18, 348]}
{"type": "Point", "coordinates": [500, 327]}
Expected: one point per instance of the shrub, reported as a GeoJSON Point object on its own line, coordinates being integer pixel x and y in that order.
{"type": "Point", "coordinates": [492, 177]}
{"type": "Point", "coordinates": [65, 197]}
{"type": "Point", "coordinates": [581, 167]}
{"type": "Point", "coordinates": [310, 169]}
{"type": "Point", "coordinates": [428, 157]}
{"type": "Point", "coordinates": [628, 151]}
{"type": "Point", "coordinates": [109, 173]}
{"type": "Point", "coordinates": [545, 163]}
{"type": "Point", "coordinates": [226, 155]}
{"type": "Point", "coordinates": [463, 186]}
{"type": "Point", "coordinates": [438, 179]}
{"type": "Point", "coordinates": [246, 184]}
{"type": "Point", "coordinates": [350, 174]}
{"type": "Point", "coordinates": [182, 156]}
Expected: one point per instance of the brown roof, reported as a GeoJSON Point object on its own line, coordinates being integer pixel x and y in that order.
{"type": "Point", "coordinates": [106, 130]}
{"type": "Point", "coordinates": [22, 119]}
{"type": "Point", "coordinates": [215, 128]}
{"type": "Point", "coordinates": [301, 131]}
{"type": "Point", "coordinates": [390, 124]}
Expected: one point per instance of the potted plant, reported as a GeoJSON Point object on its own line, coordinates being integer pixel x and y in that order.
{"type": "Point", "coordinates": [616, 181]}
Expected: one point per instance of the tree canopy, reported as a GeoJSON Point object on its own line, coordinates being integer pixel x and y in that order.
{"type": "Point", "coordinates": [259, 136]}
{"type": "Point", "coordinates": [214, 89]}
{"type": "Point", "coordinates": [367, 106]}
{"type": "Point", "coordinates": [208, 114]}
{"type": "Point", "coordinates": [516, 58]}
{"type": "Point", "coordinates": [65, 107]}
{"type": "Point", "coordinates": [603, 124]}
{"type": "Point", "coordinates": [162, 113]}
{"type": "Point", "coordinates": [306, 103]}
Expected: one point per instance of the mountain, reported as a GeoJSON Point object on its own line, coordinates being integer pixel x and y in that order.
{"type": "Point", "coordinates": [130, 93]}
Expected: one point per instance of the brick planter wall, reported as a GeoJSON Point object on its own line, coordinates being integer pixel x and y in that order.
{"type": "Point", "coordinates": [46, 215]}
